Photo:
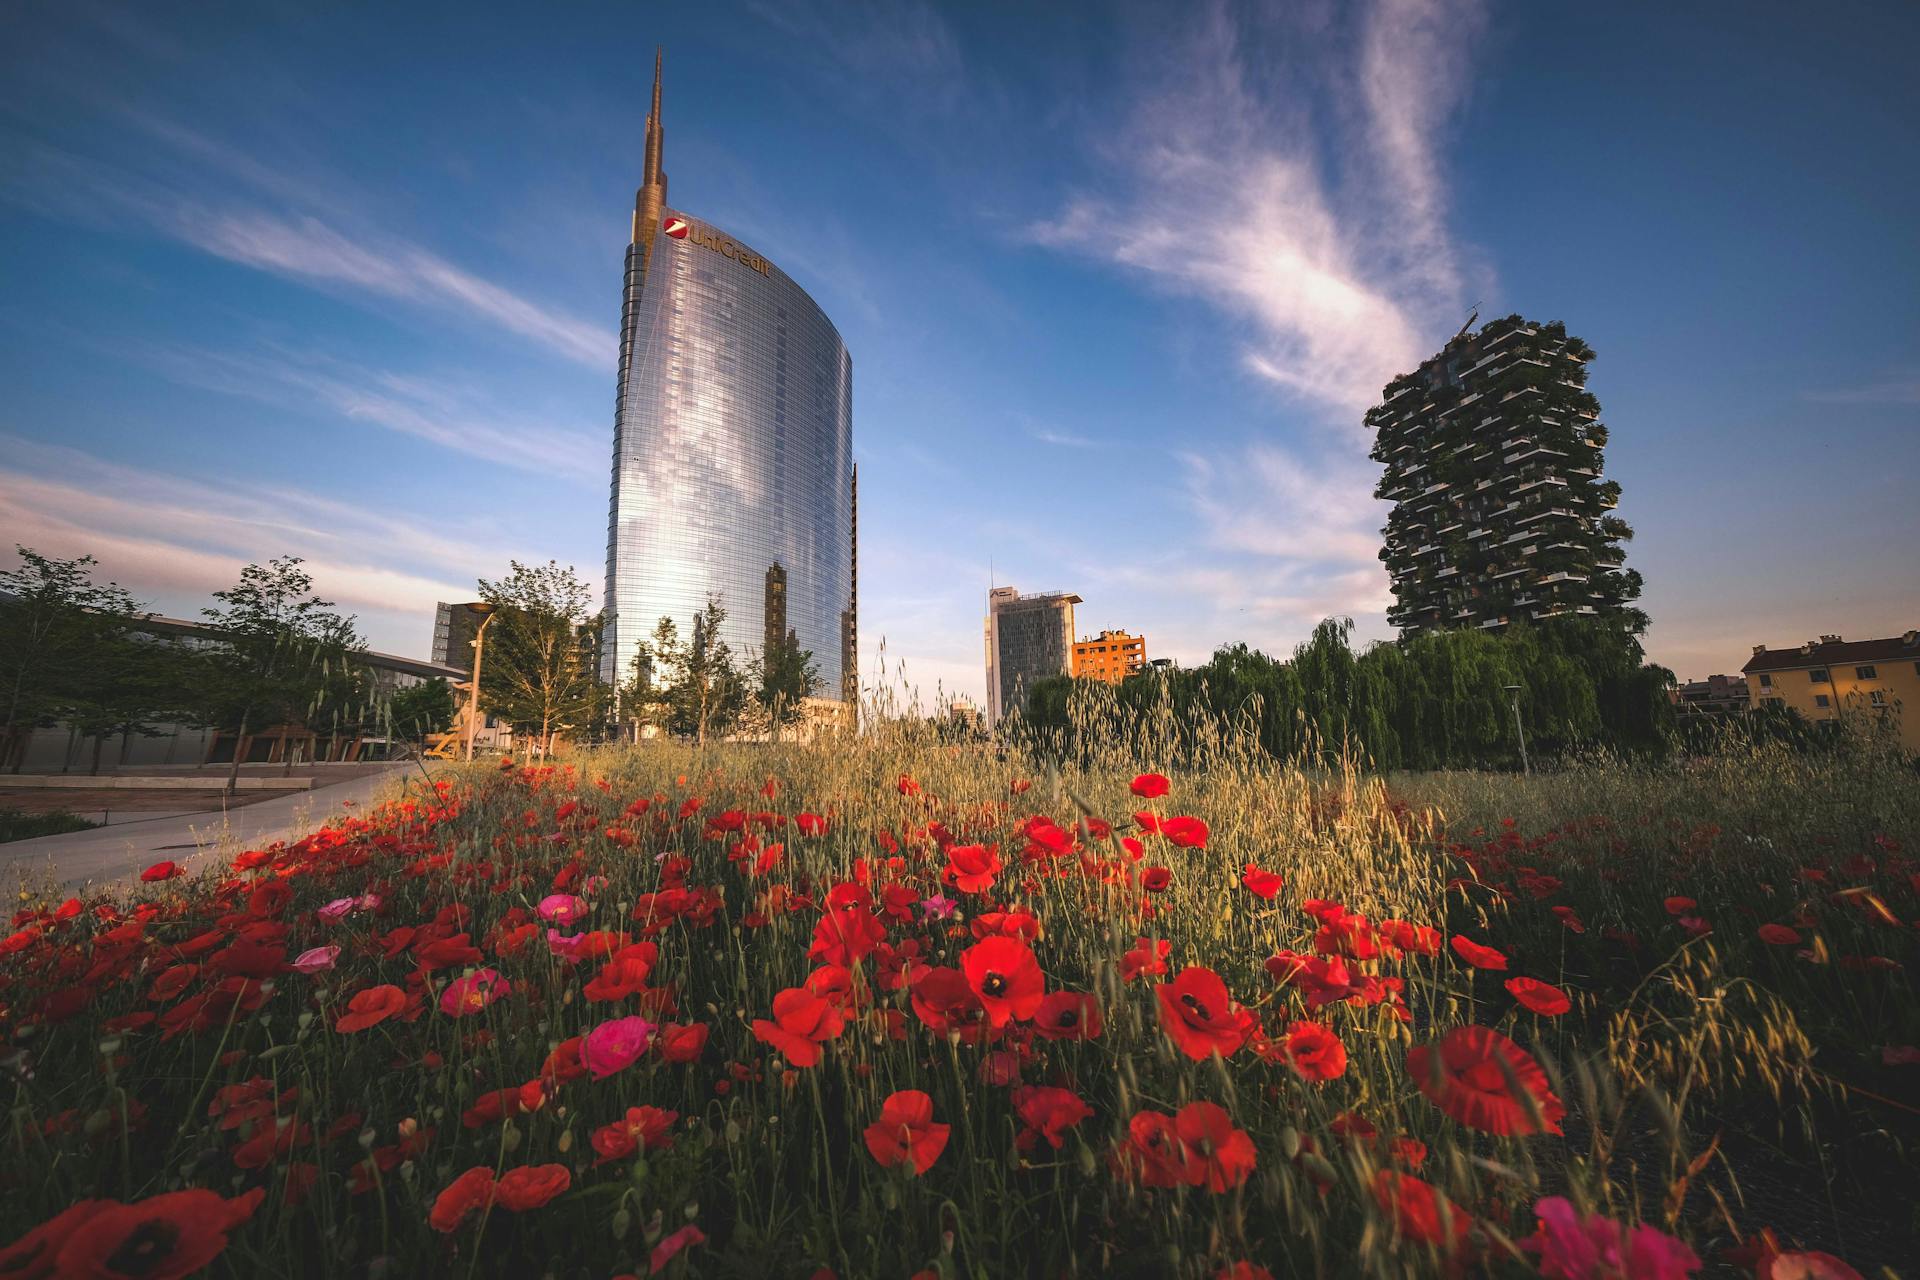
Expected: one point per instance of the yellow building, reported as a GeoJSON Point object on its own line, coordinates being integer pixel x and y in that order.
{"type": "Point", "coordinates": [1111, 656]}
{"type": "Point", "coordinates": [1840, 678]}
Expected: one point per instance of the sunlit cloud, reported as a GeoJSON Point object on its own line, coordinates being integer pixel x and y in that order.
{"type": "Point", "coordinates": [172, 540]}
{"type": "Point", "coordinates": [1339, 265]}
{"type": "Point", "coordinates": [295, 244]}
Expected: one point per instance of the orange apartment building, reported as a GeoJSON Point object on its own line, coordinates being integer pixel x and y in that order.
{"type": "Point", "coordinates": [1111, 656]}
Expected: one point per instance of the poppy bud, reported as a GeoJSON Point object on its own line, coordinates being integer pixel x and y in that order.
{"type": "Point", "coordinates": [622, 1223]}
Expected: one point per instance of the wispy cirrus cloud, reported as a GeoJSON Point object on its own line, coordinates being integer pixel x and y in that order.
{"type": "Point", "coordinates": [1898, 389]}
{"type": "Point", "coordinates": [1222, 187]}
{"type": "Point", "coordinates": [290, 242]}
{"type": "Point", "coordinates": [1065, 439]}
{"type": "Point", "coordinates": [434, 410]}
{"type": "Point", "coordinates": [173, 540]}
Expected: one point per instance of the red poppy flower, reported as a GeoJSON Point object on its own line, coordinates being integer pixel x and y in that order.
{"type": "Point", "coordinates": [1476, 955]}
{"type": "Point", "coordinates": [1261, 884]}
{"type": "Point", "coordinates": [1543, 998]}
{"type": "Point", "coordinates": [159, 871]}
{"type": "Point", "coordinates": [33, 1254]}
{"type": "Point", "coordinates": [531, 1186]}
{"type": "Point", "coordinates": [1468, 1078]}
{"type": "Point", "coordinates": [1048, 1113]}
{"type": "Point", "coordinates": [371, 1007]}
{"type": "Point", "coordinates": [971, 868]}
{"type": "Point", "coordinates": [1678, 906]}
{"type": "Point", "coordinates": [1068, 1015]}
{"type": "Point", "coordinates": [811, 824]}
{"type": "Point", "coordinates": [171, 982]}
{"type": "Point", "coordinates": [802, 1022]}
{"type": "Point", "coordinates": [1778, 935]}
{"type": "Point", "coordinates": [1415, 939]}
{"type": "Point", "coordinates": [906, 1132]}
{"type": "Point", "coordinates": [683, 1043]}
{"type": "Point", "coordinates": [1152, 1154]}
{"type": "Point", "coordinates": [1199, 1015]}
{"type": "Point", "coordinates": [1006, 977]}
{"type": "Point", "coordinates": [946, 1003]}
{"type": "Point", "coordinates": [644, 1128]}
{"type": "Point", "coordinates": [1155, 879]}
{"type": "Point", "coordinates": [1219, 1156]}
{"type": "Point", "coordinates": [1421, 1213]}
{"type": "Point", "coordinates": [470, 1191]}
{"type": "Point", "coordinates": [1151, 786]}
{"type": "Point", "coordinates": [1315, 1051]}
{"type": "Point", "coordinates": [163, 1237]}
{"type": "Point", "coordinates": [1185, 832]}
{"type": "Point", "coordinates": [846, 935]}
{"type": "Point", "coordinates": [1147, 959]}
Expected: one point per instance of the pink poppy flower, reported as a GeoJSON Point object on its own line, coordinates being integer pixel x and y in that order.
{"type": "Point", "coordinates": [562, 908]}
{"type": "Point", "coordinates": [318, 960]}
{"type": "Point", "coordinates": [337, 910]}
{"type": "Point", "coordinates": [614, 1045]}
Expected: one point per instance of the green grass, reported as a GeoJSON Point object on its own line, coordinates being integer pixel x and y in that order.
{"type": "Point", "coordinates": [15, 825]}
{"type": "Point", "coordinates": [1715, 1084]}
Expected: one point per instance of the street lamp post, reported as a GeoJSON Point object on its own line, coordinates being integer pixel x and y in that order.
{"type": "Point", "coordinates": [473, 691]}
{"type": "Point", "coordinates": [1513, 692]}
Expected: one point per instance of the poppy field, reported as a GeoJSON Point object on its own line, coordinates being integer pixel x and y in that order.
{"type": "Point", "coordinates": [903, 1009]}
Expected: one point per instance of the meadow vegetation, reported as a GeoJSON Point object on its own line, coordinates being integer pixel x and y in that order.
{"type": "Point", "coordinates": [1160, 1005]}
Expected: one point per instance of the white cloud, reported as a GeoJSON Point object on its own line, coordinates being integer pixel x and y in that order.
{"type": "Point", "coordinates": [1338, 268]}
{"type": "Point", "coordinates": [292, 242]}
{"type": "Point", "coordinates": [1904, 389]}
{"type": "Point", "coordinates": [173, 541]}
{"type": "Point", "coordinates": [430, 410]}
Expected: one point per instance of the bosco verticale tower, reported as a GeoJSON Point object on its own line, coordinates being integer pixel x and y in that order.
{"type": "Point", "coordinates": [1493, 456]}
{"type": "Point", "coordinates": [732, 447]}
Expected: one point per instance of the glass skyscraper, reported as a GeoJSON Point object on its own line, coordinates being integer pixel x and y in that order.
{"type": "Point", "coordinates": [732, 447]}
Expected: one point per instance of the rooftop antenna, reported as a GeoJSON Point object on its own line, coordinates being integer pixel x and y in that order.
{"type": "Point", "coordinates": [1469, 324]}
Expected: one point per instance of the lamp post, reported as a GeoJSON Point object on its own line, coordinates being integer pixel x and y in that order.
{"type": "Point", "coordinates": [473, 691]}
{"type": "Point", "coordinates": [1513, 692]}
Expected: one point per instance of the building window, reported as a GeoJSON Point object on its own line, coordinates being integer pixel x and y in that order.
{"type": "Point", "coordinates": [1865, 673]}
{"type": "Point", "coordinates": [1766, 681]}
{"type": "Point", "coordinates": [1819, 699]}
{"type": "Point", "coordinates": [1878, 697]}
{"type": "Point", "coordinates": [1818, 675]}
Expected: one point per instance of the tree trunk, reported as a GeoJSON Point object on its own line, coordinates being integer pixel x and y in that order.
{"type": "Point", "coordinates": [239, 740]}
{"type": "Point", "coordinates": [99, 745]}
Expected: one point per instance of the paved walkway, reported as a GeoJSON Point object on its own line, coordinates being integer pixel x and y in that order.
{"type": "Point", "coordinates": [119, 852]}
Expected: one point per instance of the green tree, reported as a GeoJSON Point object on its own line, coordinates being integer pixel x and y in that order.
{"type": "Point", "coordinates": [783, 678]}
{"type": "Point", "coordinates": [655, 666]}
{"type": "Point", "coordinates": [420, 709]}
{"type": "Point", "coordinates": [277, 647]}
{"type": "Point", "coordinates": [61, 633]}
{"type": "Point", "coordinates": [540, 669]}
{"type": "Point", "coordinates": [708, 693]}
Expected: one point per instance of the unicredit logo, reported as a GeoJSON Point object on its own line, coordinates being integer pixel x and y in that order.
{"type": "Point", "coordinates": [675, 227]}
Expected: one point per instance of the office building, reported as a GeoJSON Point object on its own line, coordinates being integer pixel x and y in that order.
{"type": "Point", "coordinates": [1028, 639]}
{"type": "Point", "coordinates": [1111, 656]}
{"type": "Point", "coordinates": [1493, 456]}
{"type": "Point", "coordinates": [454, 627]}
{"type": "Point", "coordinates": [1831, 679]}
{"type": "Point", "coordinates": [733, 446]}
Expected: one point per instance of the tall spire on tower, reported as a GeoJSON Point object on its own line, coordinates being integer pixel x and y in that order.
{"type": "Point", "coordinates": [651, 200]}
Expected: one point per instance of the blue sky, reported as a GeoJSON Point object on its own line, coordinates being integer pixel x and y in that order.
{"type": "Point", "coordinates": [1119, 283]}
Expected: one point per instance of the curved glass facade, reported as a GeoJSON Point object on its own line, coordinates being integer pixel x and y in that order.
{"type": "Point", "coordinates": [732, 455]}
